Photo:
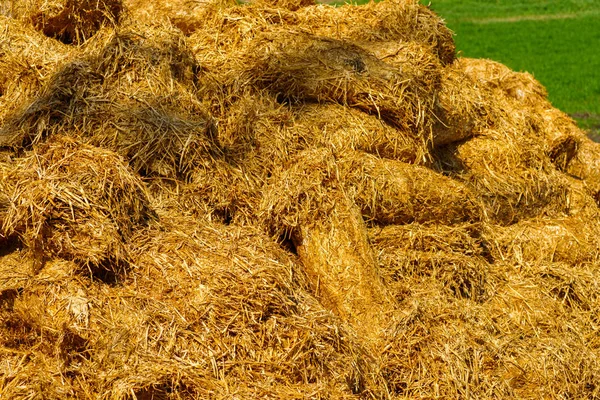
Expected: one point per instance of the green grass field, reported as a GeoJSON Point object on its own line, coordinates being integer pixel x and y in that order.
{"type": "Point", "coordinates": [558, 41]}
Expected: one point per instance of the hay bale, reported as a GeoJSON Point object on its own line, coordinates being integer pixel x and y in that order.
{"type": "Point", "coordinates": [520, 86]}
{"type": "Point", "coordinates": [513, 91]}
{"type": "Point", "coordinates": [339, 262]}
{"type": "Point", "coordinates": [510, 173]}
{"type": "Point", "coordinates": [131, 94]}
{"type": "Point", "coordinates": [392, 21]}
{"type": "Point", "coordinates": [569, 148]}
{"type": "Point", "coordinates": [571, 240]}
{"type": "Point", "coordinates": [462, 109]}
{"type": "Point", "coordinates": [27, 59]}
{"type": "Point", "coordinates": [343, 129]}
{"type": "Point", "coordinates": [301, 67]}
{"type": "Point", "coordinates": [585, 165]}
{"type": "Point", "coordinates": [73, 201]}
{"type": "Point", "coordinates": [392, 192]}
{"type": "Point", "coordinates": [452, 256]}
{"type": "Point", "coordinates": [69, 21]}
{"type": "Point", "coordinates": [401, 54]}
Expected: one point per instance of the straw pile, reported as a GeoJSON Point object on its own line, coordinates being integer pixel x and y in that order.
{"type": "Point", "coordinates": [285, 200]}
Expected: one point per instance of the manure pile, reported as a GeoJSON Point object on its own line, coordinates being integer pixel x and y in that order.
{"type": "Point", "coordinates": [285, 200]}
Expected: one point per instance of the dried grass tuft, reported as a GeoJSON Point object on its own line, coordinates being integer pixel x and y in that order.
{"type": "Point", "coordinates": [396, 21]}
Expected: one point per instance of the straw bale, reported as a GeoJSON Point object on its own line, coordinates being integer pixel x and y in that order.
{"type": "Point", "coordinates": [572, 240]}
{"type": "Point", "coordinates": [69, 21]}
{"type": "Point", "coordinates": [520, 86]}
{"type": "Point", "coordinates": [514, 91]}
{"type": "Point", "coordinates": [342, 129]}
{"type": "Point", "coordinates": [301, 67]}
{"type": "Point", "coordinates": [393, 192]}
{"type": "Point", "coordinates": [221, 32]}
{"type": "Point", "coordinates": [386, 191]}
{"type": "Point", "coordinates": [207, 311]}
{"type": "Point", "coordinates": [130, 94]}
{"type": "Point", "coordinates": [27, 58]}
{"type": "Point", "coordinates": [336, 255]}
{"type": "Point", "coordinates": [403, 53]}
{"type": "Point", "coordinates": [73, 201]}
{"type": "Point", "coordinates": [391, 21]}
{"type": "Point", "coordinates": [453, 256]}
{"type": "Point", "coordinates": [586, 166]}
{"type": "Point", "coordinates": [462, 109]}
{"type": "Point", "coordinates": [561, 136]}
{"type": "Point", "coordinates": [510, 173]}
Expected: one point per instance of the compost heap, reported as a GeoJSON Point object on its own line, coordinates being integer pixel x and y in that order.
{"type": "Point", "coordinates": [285, 200]}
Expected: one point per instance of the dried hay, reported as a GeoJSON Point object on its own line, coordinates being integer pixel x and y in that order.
{"type": "Point", "coordinates": [27, 59]}
{"type": "Point", "coordinates": [130, 94]}
{"type": "Point", "coordinates": [511, 173]}
{"type": "Point", "coordinates": [318, 201]}
{"type": "Point", "coordinates": [433, 224]}
{"type": "Point", "coordinates": [69, 21]}
{"type": "Point", "coordinates": [343, 129]}
{"type": "Point", "coordinates": [516, 91]}
{"type": "Point", "coordinates": [161, 10]}
{"type": "Point", "coordinates": [301, 67]}
{"type": "Point", "coordinates": [206, 311]}
{"type": "Point", "coordinates": [392, 192]}
{"type": "Point", "coordinates": [387, 21]}
{"type": "Point", "coordinates": [584, 165]}
{"type": "Point", "coordinates": [386, 191]}
{"type": "Point", "coordinates": [571, 240]}
{"type": "Point", "coordinates": [461, 109]}
{"type": "Point", "coordinates": [452, 256]}
{"type": "Point", "coordinates": [518, 343]}
{"type": "Point", "coordinates": [292, 5]}
{"type": "Point", "coordinates": [73, 201]}
{"type": "Point", "coordinates": [337, 258]}
{"type": "Point", "coordinates": [520, 86]}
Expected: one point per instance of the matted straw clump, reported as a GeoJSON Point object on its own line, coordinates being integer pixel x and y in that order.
{"type": "Point", "coordinates": [285, 200]}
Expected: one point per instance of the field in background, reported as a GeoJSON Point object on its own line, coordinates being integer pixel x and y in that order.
{"type": "Point", "coordinates": [557, 41]}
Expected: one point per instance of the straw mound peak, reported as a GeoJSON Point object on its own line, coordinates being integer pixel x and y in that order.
{"type": "Point", "coordinates": [285, 200]}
